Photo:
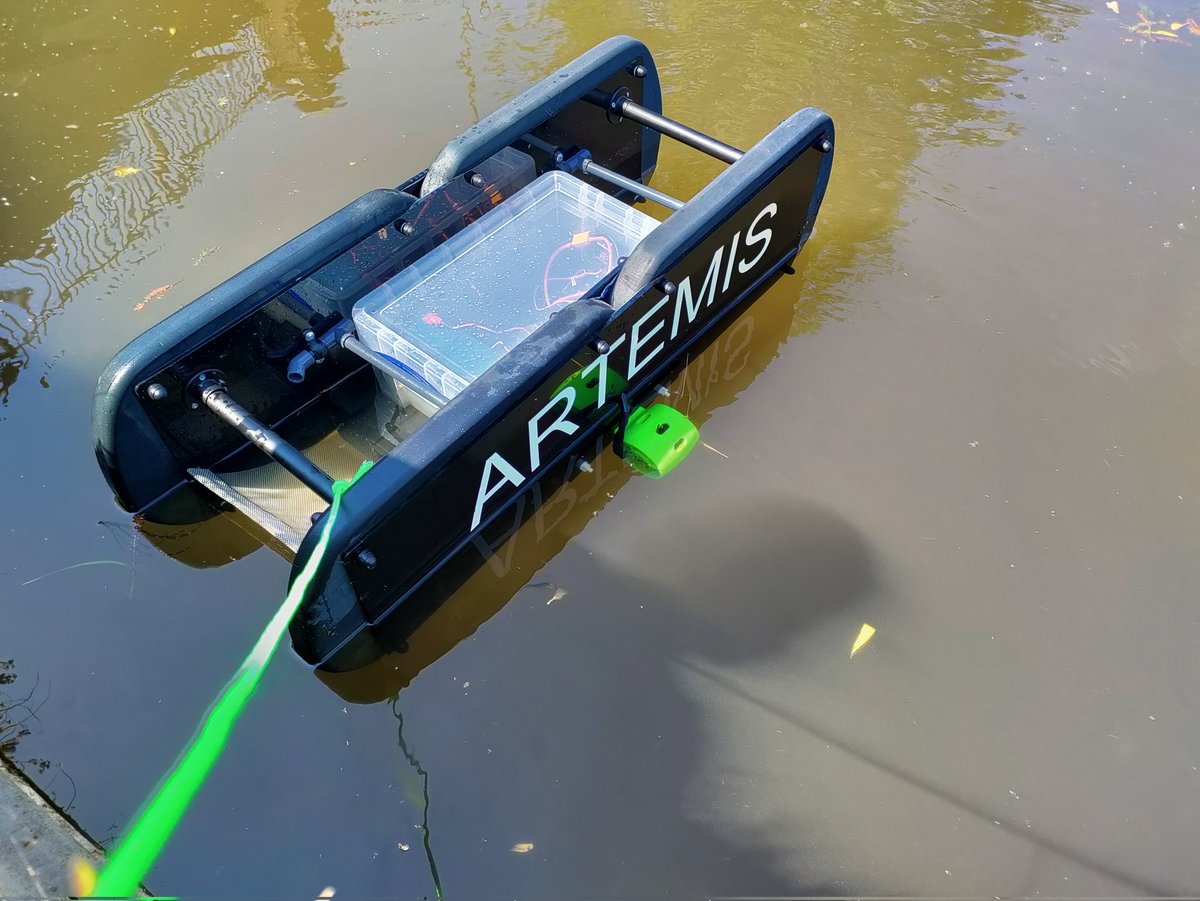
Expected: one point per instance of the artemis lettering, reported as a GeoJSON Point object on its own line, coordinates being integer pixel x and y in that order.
{"type": "Point", "coordinates": [689, 302]}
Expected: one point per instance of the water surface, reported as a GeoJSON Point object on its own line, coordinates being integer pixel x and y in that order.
{"type": "Point", "coordinates": [969, 421]}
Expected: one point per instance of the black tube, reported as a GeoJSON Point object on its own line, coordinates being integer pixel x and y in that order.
{"type": "Point", "coordinates": [217, 399]}
{"type": "Point", "coordinates": [623, 106]}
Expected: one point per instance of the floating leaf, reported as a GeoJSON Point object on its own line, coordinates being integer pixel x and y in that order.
{"type": "Point", "coordinates": [126, 171]}
{"type": "Point", "coordinates": [865, 634]}
{"type": "Point", "coordinates": [1193, 27]}
{"type": "Point", "coordinates": [171, 31]}
{"type": "Point", "coordinates": [1175, 26]}
{"type": "Point", "coordinates": [1114, 6]}
{"type": "Point", "coordinates": [153, 295]}
{"type": "Point", "coordinates": [522, 847]}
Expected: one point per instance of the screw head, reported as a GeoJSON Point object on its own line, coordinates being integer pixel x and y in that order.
{"type": "Point", "coordinates": [156, 392]}
{"type": "Point", "coordinates": [668, 288]}
{"type": "Point", "coordinates": [367, 559]}
{"type": "Point", "coordinates": [639, 71]}
{"type": "Point", "coordinates": [195, 406]}
{"type": "Point", "coordinates": [310, 335]}
{"type": "Point", "coordinates": [825, 145]}
{"type": "Point", "coordinates": [602, 346]}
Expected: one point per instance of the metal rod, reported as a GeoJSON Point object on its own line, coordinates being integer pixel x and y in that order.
{"type": "Point", "coordinates": [424, 391]}
{"type": "Point", "coordinates": [590, 167]}
{"type": "Point", "coordinates": [537, 143]}
{"type": "Point", "coordinates": [623, 106]}
{"type": "Point", "coordinates": [217, 399]}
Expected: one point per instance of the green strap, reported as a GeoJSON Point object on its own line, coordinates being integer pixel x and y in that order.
{"type": "Point", "coordinates": [156, 821]}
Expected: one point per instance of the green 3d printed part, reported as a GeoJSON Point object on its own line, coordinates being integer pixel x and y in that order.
{"type": "Point", "coordinates": [657, 439]}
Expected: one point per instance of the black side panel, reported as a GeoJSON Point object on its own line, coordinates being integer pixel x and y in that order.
{"type": "Point", "coordinates": [667, 245]}
{"type": "Point", "coordinates": [137, 460]}
{"type": "Point", "coordinates": [555, 111]}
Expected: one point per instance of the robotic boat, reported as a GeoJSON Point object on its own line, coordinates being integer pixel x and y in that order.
{"type": "Point", "coordinates": [484, 328]}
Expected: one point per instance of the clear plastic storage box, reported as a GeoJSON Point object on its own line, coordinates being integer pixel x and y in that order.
{"type": "Point", "coordinates": [461, 307]}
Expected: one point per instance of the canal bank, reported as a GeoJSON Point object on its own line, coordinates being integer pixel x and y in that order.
{"type": "Point", "coordinates": [39, 840]}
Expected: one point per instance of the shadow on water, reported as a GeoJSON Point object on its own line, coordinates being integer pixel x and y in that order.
{"type": "Point", "coordinates": [222, 58]}
{"type": "Point", "coordinates": [625, 772]}
{"type": "Point", "coordinates": [601, 743]}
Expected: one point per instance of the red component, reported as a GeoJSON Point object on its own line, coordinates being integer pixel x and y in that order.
{"type": "Point", "coordinates": [433, 319]}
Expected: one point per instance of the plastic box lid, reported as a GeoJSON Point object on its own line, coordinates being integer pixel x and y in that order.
{"type": "Point", "coordinates": [457, 310]}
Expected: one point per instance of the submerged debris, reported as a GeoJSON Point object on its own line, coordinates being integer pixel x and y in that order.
{"type": "Point", "coordinates": [206, 252]}
{"type": "Point", "coordinates": [1150, 29]}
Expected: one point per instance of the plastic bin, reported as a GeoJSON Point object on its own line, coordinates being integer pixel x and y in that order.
{"type": "Point", "coordinates": [459, 309]}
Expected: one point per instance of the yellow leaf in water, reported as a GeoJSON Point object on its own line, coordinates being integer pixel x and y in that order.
{"type": "Point", "coordinates": [1114, 6]}
{"type": "Point", "coordinates": [865, 634]}
{"type": "Point", "coordinates": [171, 31]}
{"type": "Point", "coordinates": [83, 878]}
{"type": "Point", "coordinates": [126, 171]}
{"type": "Point", "coordinates": [329, 890]}
{"type": "Point", "coordinates": [1175, 26]}
{"type": "Point", "coordinates": [522, 847]}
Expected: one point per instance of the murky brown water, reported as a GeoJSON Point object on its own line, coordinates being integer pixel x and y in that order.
{"type": "Point", "coordinates": [970, 421]}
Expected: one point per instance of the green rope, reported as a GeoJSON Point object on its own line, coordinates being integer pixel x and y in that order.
{"type": "Point", "coordinates": [156, 821]}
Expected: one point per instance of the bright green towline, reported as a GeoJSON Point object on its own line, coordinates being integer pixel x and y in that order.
{"type": "Point", "coordinates": [156, 821]}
